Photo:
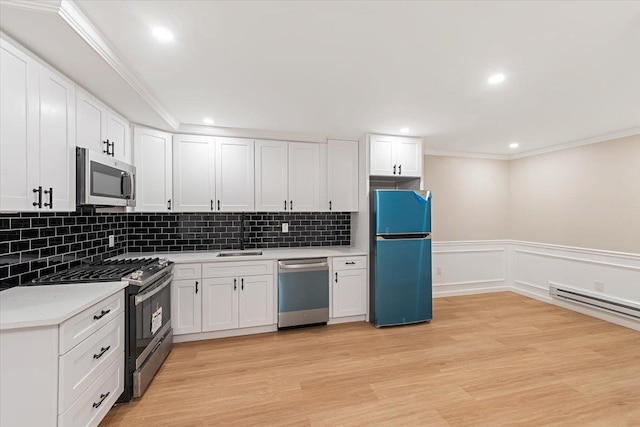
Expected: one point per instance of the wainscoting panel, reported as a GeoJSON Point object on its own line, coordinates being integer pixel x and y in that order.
{"type": "Point", "coordinates": [462, 268]}
{"type": "Point", "coordinates": [533, 266]}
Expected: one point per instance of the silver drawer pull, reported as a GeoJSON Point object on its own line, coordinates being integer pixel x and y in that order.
{"type": "Point", "coordinates": [102, 398]}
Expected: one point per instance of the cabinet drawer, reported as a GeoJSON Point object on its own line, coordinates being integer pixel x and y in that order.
{"type": "Point", "coordinates": [349, 263]}
{"type": "Point", "coordinates": [95, 402]}
{"type": "Point", "coordinates": [187, 271]}
{"type": "Point", "coordinates": [236, 268]}
{"type": "Point", "coordinates": [73, 331]}
{"type": "Point", "coordinates": [80, 367]}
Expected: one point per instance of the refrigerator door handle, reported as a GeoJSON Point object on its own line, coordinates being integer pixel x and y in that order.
{"type": "Point", "coordinates": [425, 236]}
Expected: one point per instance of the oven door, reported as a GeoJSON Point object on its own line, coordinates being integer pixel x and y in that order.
{"type": "Point", "coordinates": [153, 317]}
{"type": "Point", "coordinates": [104, 181]}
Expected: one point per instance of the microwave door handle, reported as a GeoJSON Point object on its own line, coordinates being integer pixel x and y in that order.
{"type": "Point", "coordinates": [132, 181]}
{"type": "Point", "coordinates": [126, 185]}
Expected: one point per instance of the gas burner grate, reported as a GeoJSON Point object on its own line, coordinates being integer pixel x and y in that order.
{"type": "Point", "coordinates": [99, 271]}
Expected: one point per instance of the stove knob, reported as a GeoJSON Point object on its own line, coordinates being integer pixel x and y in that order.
{"type": "Point", "coordinates": [162, 262]}
{"type": "Point", "coordinates": [136, 275]}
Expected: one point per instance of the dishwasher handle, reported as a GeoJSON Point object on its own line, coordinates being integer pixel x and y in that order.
{"type": "Point", "coordinates": [303, 264]}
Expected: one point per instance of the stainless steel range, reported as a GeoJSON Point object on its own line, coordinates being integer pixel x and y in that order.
{"type": "Point", "coordinates": [148, 332]}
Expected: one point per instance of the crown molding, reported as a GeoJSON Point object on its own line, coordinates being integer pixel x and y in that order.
{"type": "Point", "coordinates": [249, 133]}
{"type": "Point", "coordinates": [431, 152]}
{"type": "Point", "coordinates": [578, 143]}
{"type": "Point", "coordinates": [74, 17]}
{"type": "Point", "coordinates": [49, 6]}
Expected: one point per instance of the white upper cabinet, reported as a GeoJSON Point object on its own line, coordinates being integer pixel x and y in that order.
{"type": "Point", "coordinates": [119, 136]}
{"type": "Point", "coordinates": [100, 129]}
{"type": "Point", "coordinates": [153, 162]}
{"type": "Point", "coordinates": [91, 123]}
{"type": "Point", "coordinates": [193, 173]}
{"type": "Point", "coordinates": [57, 145]}
{"type": "Point", "coordinates": [304, 177]}
{"type": "Point", "coordinates": [19, 157]}
{"type": "Point", "coordinates": [287, 176]}
{"type": "Point", "coordinates": [234, 174]}
{"type": "Point", "coordinates": [37, 145]}
{"type": "Point", "coordinates": [396, 156]}
{"type": "Point", "coordinates": [409, 157]}
{"type": "Point", "coordinates": [342, 175]}
{"type": "Point", "coordinates": [382, 155]}
{"type": "Point", "coordinates": [271, 188]}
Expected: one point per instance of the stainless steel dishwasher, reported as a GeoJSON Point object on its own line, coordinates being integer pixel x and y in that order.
{"type": "Point", "coordinates": [303, 292]}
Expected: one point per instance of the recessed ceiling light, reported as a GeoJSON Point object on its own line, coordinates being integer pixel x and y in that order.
{"type": "Point", "coordinates": [207, 121]}
{"type": "Point", "coordinates": [514, 145]}
{"type": "Point", "coordinates": [405, 130]}
{"type": "Point", "coordinates": [497, 79]}
{"type": "Point", "coordinates": [162, 34]}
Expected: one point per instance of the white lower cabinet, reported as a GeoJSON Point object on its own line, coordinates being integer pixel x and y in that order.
{"type": "Point", "coordinates": [69, 374]}
{"type": "Point", "coordinates": [222, 296]}
{"type": "Point", "coordinates": [220, 304]}
{"type": "Point", "coordinates": [186, 306]}
{"type": "Point", "coordinates": [349, 286]}
{"type": "Point", "coordinates": [237, 302]}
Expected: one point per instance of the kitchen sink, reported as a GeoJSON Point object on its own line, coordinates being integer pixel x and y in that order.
{"type": "Point", "coordinates": [239, 253]}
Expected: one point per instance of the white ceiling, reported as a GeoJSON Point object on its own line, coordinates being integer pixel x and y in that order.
{"type": "Point", "coordinates": [342, 69]}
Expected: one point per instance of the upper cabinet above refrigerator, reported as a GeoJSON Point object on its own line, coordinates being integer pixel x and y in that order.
{"type": "Point", "coordinates": [395, 156]}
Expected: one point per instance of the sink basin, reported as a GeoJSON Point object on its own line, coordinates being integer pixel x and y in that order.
{"type": "Point", "coordinates": [239, 253]}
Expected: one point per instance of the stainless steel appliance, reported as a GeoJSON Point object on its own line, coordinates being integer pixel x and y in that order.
{"type": "Point", "coordinates": [102, 180]}
{"type": "Point", "coordinates": [148, 332]}
{"type": "Point", "coordinates": [303, 292]}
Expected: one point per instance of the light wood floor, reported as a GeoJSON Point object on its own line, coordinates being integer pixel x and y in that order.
{"type": "Point", "coordinates": [485, 360]}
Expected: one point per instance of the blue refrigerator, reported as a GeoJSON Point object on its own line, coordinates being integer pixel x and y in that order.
{"type": "Point", "coordinates": [401, 258]}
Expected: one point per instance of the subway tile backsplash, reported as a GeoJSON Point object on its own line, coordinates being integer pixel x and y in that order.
{"type": "Point", "coordinates": [36, 244]}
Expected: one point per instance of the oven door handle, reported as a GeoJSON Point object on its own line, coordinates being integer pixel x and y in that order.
{"type": "Point", "coordinates": [146, 295]}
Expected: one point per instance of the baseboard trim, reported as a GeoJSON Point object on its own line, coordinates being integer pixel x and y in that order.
{"type": "Point", "coordinates": [469, 291]}
{"type": "Point", "coordinates": [348, 319]}
{"type": "Point", "coordinates": [224, 334]}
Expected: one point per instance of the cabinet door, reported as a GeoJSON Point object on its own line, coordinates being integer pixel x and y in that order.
{"type": "Point", "coordinates": [342, 175]}
{"type": "Point", "coordinates": [349, 293]}
{"type": "Point", "coordinates": [220, 303]}
{"type": "Point", "coordinates": [256, 301]}
{"type": "Point", "coordinates": [193, 173]}
{"type": "Point", "coordinates": [91, 122]}
{"type": "Point", "coordinates": [271, 189]}
{"type": "Point", "coordinates": [152, 159]}
{"type": "Point", "coordinates": [304, 177]}
{"type": "Point", "coordinates": [19, 169]}
{"type": "Point", "coordinates": [119, 135]}
{"type": "Point", "coordinates": [57, 145]}
{"type": "Point", "coordinates": [234, 174]}
{"type": "Point", "coordinates": [382, 155]}
{"type": "Point", "coordinates": [186, 306]}
{"type": "Point", "coordinates": [409, 157]}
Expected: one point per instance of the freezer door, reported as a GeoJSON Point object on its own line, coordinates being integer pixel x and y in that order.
{"type": "Point", "coordinates": [402, 281]}
{"type": "Point", "coordinates": [401, 212]}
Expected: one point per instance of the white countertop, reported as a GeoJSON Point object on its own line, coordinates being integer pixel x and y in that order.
{"type": "Point", "coordinates": [267, 254]}
{"type": "Point", "coordinates": [30, 306]}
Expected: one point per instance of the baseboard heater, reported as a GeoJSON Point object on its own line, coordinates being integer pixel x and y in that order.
{"type": "Point", "coordinates": [610, 304]}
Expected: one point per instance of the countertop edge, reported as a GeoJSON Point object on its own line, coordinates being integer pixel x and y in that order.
{"type": "Point", "coordinates": [55, 321]}
{"type": "Point", "coordinates": [206, 256]}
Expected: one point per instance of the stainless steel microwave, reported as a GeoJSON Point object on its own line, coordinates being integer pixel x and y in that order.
{"type": "Point", "coordinates": [102, 180]}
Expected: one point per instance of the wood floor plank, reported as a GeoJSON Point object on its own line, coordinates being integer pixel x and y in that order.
{"type": "Point", "coordinates": [485, 360]}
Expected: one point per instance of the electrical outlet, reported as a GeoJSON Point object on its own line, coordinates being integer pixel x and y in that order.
{"type": "Point", "coordinates": [285, 227]}
{"type": "Point", "coordinates": [599, 287]}
{"type": "Point", "coordinates": [112, 241]}
{"type": "Point", "coordinates": [439, 271]}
